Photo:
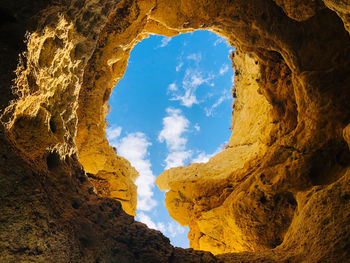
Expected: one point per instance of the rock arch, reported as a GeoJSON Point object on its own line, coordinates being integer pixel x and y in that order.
{"type": "Point", "coordinates": [275, 190]}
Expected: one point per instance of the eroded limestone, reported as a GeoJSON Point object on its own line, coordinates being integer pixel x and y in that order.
{"type": "Point", "coordinates": [279, 192]}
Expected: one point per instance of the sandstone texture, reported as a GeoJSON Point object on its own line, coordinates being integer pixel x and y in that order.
{"type": "Point", "coordinates": [279, 192]}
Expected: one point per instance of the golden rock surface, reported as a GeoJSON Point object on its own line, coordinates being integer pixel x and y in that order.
{"type": "Point", "coordinates": [280, 190]}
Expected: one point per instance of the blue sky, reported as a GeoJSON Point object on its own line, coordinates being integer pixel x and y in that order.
{"type": "Point", "coordinates": [172, 107]}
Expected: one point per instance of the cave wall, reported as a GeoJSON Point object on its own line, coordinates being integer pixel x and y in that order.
{"type": "Point", "coordinates": [279, 191]}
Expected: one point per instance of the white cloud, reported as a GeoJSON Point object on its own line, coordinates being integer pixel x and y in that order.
{"type": "Point", "coordinates": [171, 229]}
{"type": "Point", "coordinates": [177, 158]}
{"type": "Point", "coordinates": [174, 125]}
{"type": "Point", "coordinates": [210, 111]}
{"type": "Point", "coordinates": [224, 68]}
{"type": "Point", "coordinates": [142, 217]}
{"type": "Point", "coordinates": [134, 147]}
{"type": "Point", "coordinates": [172, 87]}
{"type": "Point", "coordinates": [218, 41]}
{"type": "Point", "coordinates": [197, 127]}
{"type": "Point", "coordinates": [174, 229]}
{"type": "Point", "coordinates": [203, 157]}
{"type": "Point", "coordinates": [179, 66]}
{"type": "Point", "coordinates": [113, 133]}
{"type": "Point", "coordinates": [188, 99]}
{"type": "Point", "coordinates": [165, 41]}
{"type": "Point", "coordinates": [195, 56]}
{"type": "Point", "coordinates": [192, 80]}
{"type": "Point", "coordinates": [221, 40]}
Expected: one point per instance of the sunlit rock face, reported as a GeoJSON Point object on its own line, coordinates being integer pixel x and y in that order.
{"type": "Point", "coordinates": [280, 190]}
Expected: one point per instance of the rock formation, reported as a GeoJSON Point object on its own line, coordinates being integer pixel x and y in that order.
{"type": "Point", "coordinates": [279, 192]}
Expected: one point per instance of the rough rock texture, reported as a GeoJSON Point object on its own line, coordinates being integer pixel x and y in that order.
{"type": "Point", "coordinates": [342, 8]}
{"type": "Point", "coordinates": [278, 193]}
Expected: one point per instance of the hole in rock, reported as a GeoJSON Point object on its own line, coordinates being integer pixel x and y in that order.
{"type": "Point", "coordinates": [53, 160]}
{"type": "Point", "coordinates": [173, 107]}
{"type": "Point", "coordinates": [53, 126]}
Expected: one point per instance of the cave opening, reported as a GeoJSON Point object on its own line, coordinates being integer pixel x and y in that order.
{"type": "Point", "coordinates": [189, 197]}
{"type": "Point", "coordinates": [172, 107]}
{"type": "Point", "coordinates": [279, 193]}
